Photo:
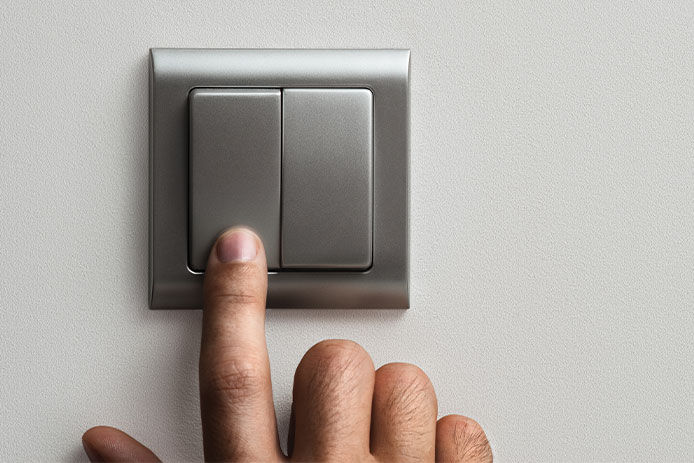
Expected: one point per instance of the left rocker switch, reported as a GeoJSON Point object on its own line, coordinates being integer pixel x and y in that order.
{"type": "Point", "coordinates": [234, 168]}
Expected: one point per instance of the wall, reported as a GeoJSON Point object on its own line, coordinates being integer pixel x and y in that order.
{"type": "Point", "coordinates": [552, 206]}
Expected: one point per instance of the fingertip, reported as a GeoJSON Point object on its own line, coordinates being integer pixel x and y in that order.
{"type": "Point", "coordinates": [104, 443]}
{"type": "Point", "coordinates": [90, 449]}
{"type": "Point", "coordinates": [94, 439]}
{"type": "Point", "coordinates": [460, 438]}
{"type": "Point", "coordinates": [237, 245]}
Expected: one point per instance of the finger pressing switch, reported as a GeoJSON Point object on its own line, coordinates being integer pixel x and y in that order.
{"type": "Point", "coordinates": [234, 168]}
{"type": "Point", "coordinates": [327, 178]}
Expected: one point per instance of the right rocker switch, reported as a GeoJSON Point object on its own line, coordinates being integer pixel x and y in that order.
{"type": "Point", "coordinates": [327, 178]}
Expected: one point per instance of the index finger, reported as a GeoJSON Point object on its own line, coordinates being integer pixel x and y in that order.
{"type": "Point", "coordinates": [238, 416]}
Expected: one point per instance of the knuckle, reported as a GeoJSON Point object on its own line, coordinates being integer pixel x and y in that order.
{"type": "Point", "coordinates": [408, 389]}
{"type": "Point", "coordinates": [405, 398]}
{"type": "Point", "coordinates": [466, 436]}
{"type": "Point", "coordinates": [336, 358]}
{"type": "Point", "coordinates": [235, 381]}
{"type": "Point", "coordinates": [407, 373]}
{"type": "Point", "coordinates": [332, 372]}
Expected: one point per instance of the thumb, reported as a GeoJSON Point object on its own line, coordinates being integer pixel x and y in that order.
{"type": "Point", "coordinates": [238, 416]}
{"type": "Point", "coordinates": [104, 443]}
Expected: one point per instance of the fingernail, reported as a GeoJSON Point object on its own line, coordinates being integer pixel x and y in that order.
{"type": "Point", "coordinates": [237, 246]}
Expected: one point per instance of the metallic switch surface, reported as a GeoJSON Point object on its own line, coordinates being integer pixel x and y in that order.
{"type": "Point", "coordinates": [327, 178]}
{"type": "Point", "coordinates": [234, 169]}
{"type": "Point", "coordinates": [173, 73]}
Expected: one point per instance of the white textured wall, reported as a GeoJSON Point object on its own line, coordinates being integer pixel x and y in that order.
{"type": "Point", "coordinates": [552, 222]}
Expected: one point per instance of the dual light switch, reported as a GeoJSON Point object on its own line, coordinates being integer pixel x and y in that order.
{"type": "Point", "coordinates": [295, 164]}
{"type": "Point", "coordinates": [308, 147]}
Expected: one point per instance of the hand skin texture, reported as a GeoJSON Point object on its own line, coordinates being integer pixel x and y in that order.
{"type": "Point", "coordinates": [343, 410]}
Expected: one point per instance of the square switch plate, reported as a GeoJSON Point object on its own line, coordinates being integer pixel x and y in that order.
{"type": "Point", "coordinates": [370, 268]}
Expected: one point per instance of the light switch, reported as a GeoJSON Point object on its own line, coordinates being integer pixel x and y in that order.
{"type": "Point", "coordinates": [327, 178]}
{"type": "Point", "coordinates": [234, 169]}
{"type": "Point", "coordinates": [308, 147]}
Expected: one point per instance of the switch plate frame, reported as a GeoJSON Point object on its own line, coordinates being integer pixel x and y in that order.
{"type": "Point", "coordinates": [175, 72]}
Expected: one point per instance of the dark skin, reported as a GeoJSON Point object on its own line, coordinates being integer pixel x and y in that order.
{"type": "Point", "coordinates": [344, 409]}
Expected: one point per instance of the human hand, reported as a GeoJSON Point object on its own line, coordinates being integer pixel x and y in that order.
{"type": "Point", "coordinates": [343, 409]}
